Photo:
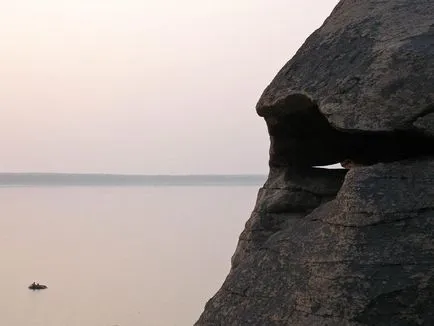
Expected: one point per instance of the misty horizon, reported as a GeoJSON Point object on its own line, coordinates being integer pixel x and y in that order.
{"type": "Point", "coordinates": [82, 179]}
{"type": "Point", "coordinates": [143, 87]}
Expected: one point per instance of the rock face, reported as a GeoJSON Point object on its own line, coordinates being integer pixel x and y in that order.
{"type": "Point", "coordinates": [344, 247]}
{"type": "Point", "coordinates": [363, 258]}
{"type": "Point", "coordinates": [369, 67]}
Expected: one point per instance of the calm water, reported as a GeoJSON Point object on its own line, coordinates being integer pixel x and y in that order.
{"type": "Point", "coordinates": [116, 255]}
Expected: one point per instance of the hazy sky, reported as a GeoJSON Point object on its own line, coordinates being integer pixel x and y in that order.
{"type": "Point", "coordinates": [143, 86]}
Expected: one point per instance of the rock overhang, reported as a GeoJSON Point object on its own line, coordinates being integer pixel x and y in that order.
{"type": "Point", "coordinates": [363, 73]}
{"type": "Point", "coordinates": [302, 136]}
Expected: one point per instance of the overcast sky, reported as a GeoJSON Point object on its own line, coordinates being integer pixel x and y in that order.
{"type": "Point", "coordinates": [143, 86]}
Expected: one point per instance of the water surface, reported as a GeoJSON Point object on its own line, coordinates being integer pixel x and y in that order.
{"type": "Point", "coordinates": [116, 255]}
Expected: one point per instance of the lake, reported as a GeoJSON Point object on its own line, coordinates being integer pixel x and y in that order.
{"type": "Point", "coordinates": [130, 255]}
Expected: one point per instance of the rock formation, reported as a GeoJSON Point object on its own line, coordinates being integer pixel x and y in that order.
{"type": "Point", "coordinates": [344, 247]}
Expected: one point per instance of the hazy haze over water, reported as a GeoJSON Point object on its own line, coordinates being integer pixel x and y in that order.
{"type": "Point", "coordinates": [146, 87]}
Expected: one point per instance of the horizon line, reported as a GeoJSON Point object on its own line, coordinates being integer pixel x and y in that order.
{"type": "Point", "coordinates": [137, 174]}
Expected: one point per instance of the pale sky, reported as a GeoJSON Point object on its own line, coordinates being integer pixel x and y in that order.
{"type": "Point", "coordinates": [143, 86]}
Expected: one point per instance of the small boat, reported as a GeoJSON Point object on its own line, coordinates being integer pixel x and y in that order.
{"type": "Point", "coordinates": [37, 286]}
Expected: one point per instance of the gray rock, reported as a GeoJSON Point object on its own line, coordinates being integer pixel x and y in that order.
{"type": "Point", "coordinates": [370, 67]}
{"type": "Point", "coordinates": [286, 197]}
{"type": "Point", "coordinates": [364, 258]}
{"type": "Point", "coordinates": [426, 124]}
{"type": "Point", "coordinates": [344, 247]}
{"type": "Point", "coordinates": [363, 81]}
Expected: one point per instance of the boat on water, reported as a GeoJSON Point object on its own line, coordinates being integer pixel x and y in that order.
{"type": "Point", "coordinates": [37, 286]}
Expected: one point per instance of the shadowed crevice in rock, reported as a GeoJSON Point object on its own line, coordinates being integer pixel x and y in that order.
{"type": "Point", "coordinates": [302, 136]}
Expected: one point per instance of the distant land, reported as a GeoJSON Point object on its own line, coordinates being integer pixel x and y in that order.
{"type": "Point", "coordinates": [74, 179]}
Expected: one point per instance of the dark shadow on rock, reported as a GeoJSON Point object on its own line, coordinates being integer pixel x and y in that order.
{"type": "Point", "coordinates": [301, 136]}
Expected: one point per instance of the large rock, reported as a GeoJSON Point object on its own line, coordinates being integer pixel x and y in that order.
{"type": "Point", "coordinates": [367, 72]}
{"type": "Point", "coordinates": [338, 247]}
{"type": "Point", "coordinates": [369, 67]}
{"type": "Point", "coordinates": [364, 258]}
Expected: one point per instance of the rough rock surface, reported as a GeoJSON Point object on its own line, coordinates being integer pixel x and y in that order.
{"type": "Point", "coordinates": [366, 67]}
{"type": "Point", "coordinates": [344, 247]}
{"type": "Point", "coordinates": [364, 258]}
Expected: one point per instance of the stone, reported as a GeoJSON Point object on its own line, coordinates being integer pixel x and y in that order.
{"type": "Point", "coordinates": [426, 124]}
{"type": "Point", "coordinates": [365, 257]}
{"type": "Point", "coordinates": [286, 197]}
{"type": "Point", "coordinates": [368, 68]}
{"type": "Point", "coordinates": [355, 246]}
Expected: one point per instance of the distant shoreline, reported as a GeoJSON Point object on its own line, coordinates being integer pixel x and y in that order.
{"type": "Point", "coordinates": [95, 179]}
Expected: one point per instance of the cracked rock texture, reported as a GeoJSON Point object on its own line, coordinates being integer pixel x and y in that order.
{"type": "Point", "coordinates": [344, 247]}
